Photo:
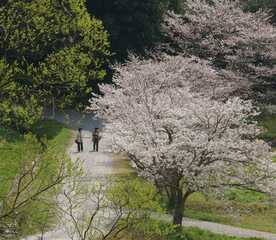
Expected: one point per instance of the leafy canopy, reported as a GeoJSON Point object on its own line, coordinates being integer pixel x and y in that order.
{"type": "Point", "coordinates": [49, 49]}
{"type": "Point", "coordinates": [132, 24]}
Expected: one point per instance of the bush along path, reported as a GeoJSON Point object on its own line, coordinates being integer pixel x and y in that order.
{"type": "Point", "coordinates": [99, 165]}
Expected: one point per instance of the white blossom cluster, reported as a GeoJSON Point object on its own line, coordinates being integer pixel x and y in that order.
{"type": "Point", "coordinates": [241, 43]}
{"type": "Point", "coordinates": [175, 135]}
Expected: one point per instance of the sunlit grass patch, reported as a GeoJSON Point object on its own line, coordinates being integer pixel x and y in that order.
{"type": "Point", "coordinates": [53, 139]}
{"type": "Point", "coordinates": [121, 165]}
{"type": "Point", "coordinates": [246, 209]}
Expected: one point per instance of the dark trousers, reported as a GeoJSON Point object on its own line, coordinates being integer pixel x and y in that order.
{"type": "Point", "coordinates": [96, 145]}
{"type": "Point", "coordinates": [80, 146]}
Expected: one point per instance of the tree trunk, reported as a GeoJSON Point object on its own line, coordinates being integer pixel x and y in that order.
{"type": "Point", "coordinates": [178, 208]}
{"type": "Point", "coordinates": [171, 199]}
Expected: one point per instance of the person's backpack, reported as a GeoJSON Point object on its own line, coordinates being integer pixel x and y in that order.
{"type": "Point", "coordinates": [78, 138]}
{"type": "Point", "coordinates": [96, 136]}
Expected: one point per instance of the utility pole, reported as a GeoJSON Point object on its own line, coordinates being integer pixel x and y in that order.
{"type": "Point", "coordinates": [53, 107]}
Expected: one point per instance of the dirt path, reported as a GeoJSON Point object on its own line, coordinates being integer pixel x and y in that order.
{"type": "Point", "coordinates": [100, 165]}
{"type": "Point", "coordinates": [97, 165]}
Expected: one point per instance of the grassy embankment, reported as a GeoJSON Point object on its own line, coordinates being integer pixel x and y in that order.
{"type": "Point", "coordinates": [122, 166]}
{"type": "Point", "coordinates": [13, 150]}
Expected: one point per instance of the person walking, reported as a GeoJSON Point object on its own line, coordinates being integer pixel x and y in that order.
{"type": "Point", "coordinates": [79, 140]}
{"type": "Point", "coordinates": [95, 139]}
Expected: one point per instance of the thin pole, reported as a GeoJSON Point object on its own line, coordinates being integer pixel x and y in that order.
{"type": "Point", "coordinates": [53, 108]}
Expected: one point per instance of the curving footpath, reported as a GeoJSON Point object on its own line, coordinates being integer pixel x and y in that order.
{"type": "Point", "coordinates": [100, 165]}
{"type": "Point", "coordinates": [97, 165]}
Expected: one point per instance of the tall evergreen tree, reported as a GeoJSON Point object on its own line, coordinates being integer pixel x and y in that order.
{"type": "Point", "coordinates": [133, 24]}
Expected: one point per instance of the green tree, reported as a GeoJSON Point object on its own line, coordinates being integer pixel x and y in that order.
{"type": "Point", "coordinates": [133, 24]}
{"type": "Point", "coordinates": [18, 108]}
{"type": "Point", "coordinates": [54, 49]}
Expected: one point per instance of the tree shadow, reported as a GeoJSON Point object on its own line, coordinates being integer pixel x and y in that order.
{"type": "Point", "coordinates": [10, 135]}
{"type": "Point", "coordinates": [74, 120]}
{"type": "Point", "coordinates": [47, 129]}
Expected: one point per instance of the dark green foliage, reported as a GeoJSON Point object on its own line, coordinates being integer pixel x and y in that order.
{"type": "Point", "coordinates": [19, 108]}
{"type": "Point", "coordinates": [32, 30]}
{"type": "Point", "coordinates": [176, 5]}
{"type": "Point", "coordinates": [48, 48]}
{"type": "Point", "coordinates": [132, 24]}
{"type": "Point", "coordinates": [255, 5]}
{"type": "Point", "coordinates": [268, 122]}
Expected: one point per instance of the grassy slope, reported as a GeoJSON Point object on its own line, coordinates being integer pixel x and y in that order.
{"type": "Point", "coordinates": [11, 152]}
{"type": "Point", "coordinates": [156, 230]}
{"type": "Point", "coordinates": [57, 134]}
{"type": "Point", "coordinates": [269, 123]}
{"type": "Point", "coordinates": [198, 234]}
{"type": "Point", "coordinates": [257, 215]}
{"type": "Point", "coordinates": [240, 208]}
{"type": "Point", "coordinates": [122, 167]}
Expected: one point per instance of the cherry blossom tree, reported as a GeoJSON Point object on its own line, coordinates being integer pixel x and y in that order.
{"type": "Point", "coordinates": [234, 40]}
{"type": "Point", "coordinates": [183, 140]}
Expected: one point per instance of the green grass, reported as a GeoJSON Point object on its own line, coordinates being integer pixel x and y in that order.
{"type": "Point", "coordinates": [121, 166]}
{"type": "Point", "coordinates": [198, 234]}
{"type": "Point", "coordinates": [245, 211]}
{"type": "Point", "coordinates": [57, 134]}
{"type": "Point", "coordinates": [268, 122]}
{"type": "Point", "coordinates": [158, 230]}
{"type": "Point", "coordinates": [245, 196]}
{"type": "Point", "coordinates": [55, 138]}
{"type": "Point", "coordinates": [241, 208]}
{"type": "Point", "coordinates": [12, 148]}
